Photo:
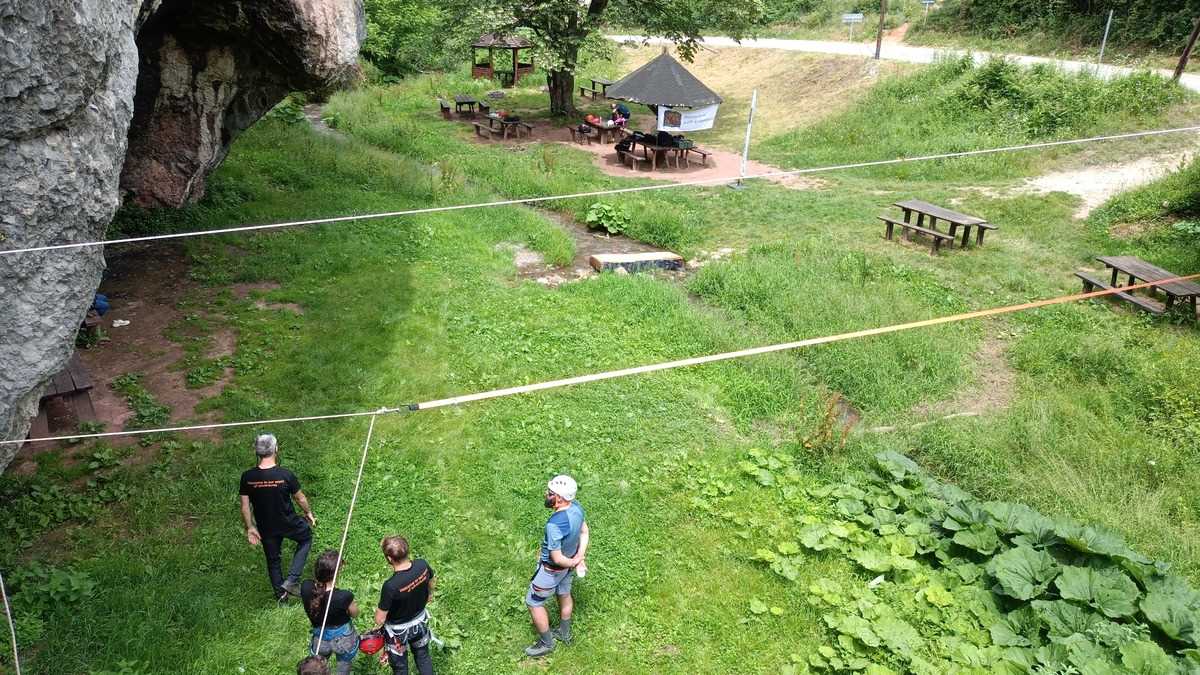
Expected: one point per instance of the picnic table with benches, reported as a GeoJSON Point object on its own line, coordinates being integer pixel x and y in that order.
{"type": "Point", "coordinates": [69, 395]}
{"type": "Point", "coordinates": [935, 213]}
{"type": "Point", "coordinates": [599, 88]}
{"type": "Point", "coordinates": [1133, 269]}
{"type": "Point", "coordinates": [498, 125]}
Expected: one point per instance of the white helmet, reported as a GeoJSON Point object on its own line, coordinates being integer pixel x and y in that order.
{"type": "Point", "coordinates": [564, 486]}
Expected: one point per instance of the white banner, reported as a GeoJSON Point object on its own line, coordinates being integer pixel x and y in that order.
{"type": "Point", "coordinates": [686, 119]}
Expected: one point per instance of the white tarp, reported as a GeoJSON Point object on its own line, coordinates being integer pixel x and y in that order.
{"type": "Point", "coordinates": [687, 119]}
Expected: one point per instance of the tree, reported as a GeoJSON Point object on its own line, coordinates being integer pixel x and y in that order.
{"type": "Point", "coordinates": [561, 28]}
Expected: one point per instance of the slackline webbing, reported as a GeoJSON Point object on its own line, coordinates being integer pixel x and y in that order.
{"type": "Point", "coordinates": [345, 533]}
{"type": "Point", "coordinates": [12, 627]}
{"type": "Point", "coordinates": [598, 193]}
{"type": "Point", "coordinates": [608, 375]}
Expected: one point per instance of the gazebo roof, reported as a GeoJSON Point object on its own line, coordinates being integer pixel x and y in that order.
{"type": "Point", "coordinates": [492, 40]}
{"type": "Point", "coordinates": [663, 81]}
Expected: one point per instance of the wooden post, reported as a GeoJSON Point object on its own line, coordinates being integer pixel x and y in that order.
{"type": "Point", "coordinates": [515, 52]}
{"type": "Point", "coordinates": [879, 36]}
{"type": "Point", "coordinates": [1187, 51]}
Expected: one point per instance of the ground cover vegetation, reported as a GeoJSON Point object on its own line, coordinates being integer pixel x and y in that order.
{"type": "Point", "coordinates": [729, 460]}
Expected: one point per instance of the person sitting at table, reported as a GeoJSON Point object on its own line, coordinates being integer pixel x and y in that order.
{"type": "Point", "coordinates": [620, 113]}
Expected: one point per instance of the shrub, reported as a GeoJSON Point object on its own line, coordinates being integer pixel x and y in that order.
{"type": "Point", "coordinates": [611, 217]}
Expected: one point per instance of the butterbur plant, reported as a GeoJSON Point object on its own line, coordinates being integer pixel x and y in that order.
{"type": "Point", "coordinates": [963, 585]}
{"type": "Point", "coordinates": [611, 217]}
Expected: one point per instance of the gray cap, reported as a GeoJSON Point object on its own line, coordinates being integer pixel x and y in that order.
{"type": "Point", "coordinates": [265, 445]}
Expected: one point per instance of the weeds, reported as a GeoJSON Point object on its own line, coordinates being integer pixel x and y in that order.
{"type": "Point", "coordinates": [147, 411]}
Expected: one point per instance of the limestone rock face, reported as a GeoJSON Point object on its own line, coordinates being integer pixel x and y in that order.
{"type": "Point", "coordinates": [101, 99]}
{"type": "Point", "coordinates": [68, 69]}
{"type": "Point", "coordinates": [211, 68]}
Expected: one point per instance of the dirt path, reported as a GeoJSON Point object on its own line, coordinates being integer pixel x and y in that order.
{"type": "Point", "coordinates": [1097, 184]}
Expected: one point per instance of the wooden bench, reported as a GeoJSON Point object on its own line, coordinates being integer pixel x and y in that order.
{"type": "Point", "coordinates": [703, 155]}
{"type": "Point", "coordinates": [633, 159]}
{"type": "Point", "coordinates": [1091, 283]}
{"type": "Point", "coordinates": [481, 128]}
{"type": "Point", "coordinates": [589, 92]}
{"type": "Point", "coordinates": [983, 227]}
{"type": "Point", "coordinates": [71, 387]}
{"type": "Point", "coordinates": [585, 134]}
{"type": "Point", "coordinates": [484, 108]}
{"type": "Point", "coordinates": [937, 237]}
{"type": "Point", "coordinates": [445, 106]}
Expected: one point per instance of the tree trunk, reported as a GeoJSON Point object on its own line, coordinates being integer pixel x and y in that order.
{"type": "Point", "coordinates": [562, 92]}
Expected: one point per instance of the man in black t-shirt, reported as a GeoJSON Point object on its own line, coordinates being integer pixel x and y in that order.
{"type": "Point", "coordinates": [401, 609]}
{"type": "Point", "coordinates": [269, 489]}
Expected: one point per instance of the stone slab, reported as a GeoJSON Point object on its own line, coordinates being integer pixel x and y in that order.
{"type": "Point", "coordinates": [636, 262]}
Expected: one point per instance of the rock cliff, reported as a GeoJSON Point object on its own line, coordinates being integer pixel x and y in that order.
{"type": "Point", "coordinates": [101, 99]}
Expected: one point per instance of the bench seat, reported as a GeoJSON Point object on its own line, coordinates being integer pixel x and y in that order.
{"type": "Point", "coordinates": [1091, 282]}
{"type": "Point", "coordinates": [937, 237]}
{"type": "Point", "coordinates": [480, 128]}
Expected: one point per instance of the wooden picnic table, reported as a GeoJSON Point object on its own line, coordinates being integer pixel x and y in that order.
{"type": "Point", "coordinates": [955, 219]}
{"type": "Point", "coordinates": [651, 151]}
{"type": "Point", "coordinates": [601, 130]}
{"type": "Point", "coordinates": [496, 122]}
{"type": "Point", "coordinates": [602, 83]}
{"type": "Point", "coordinates": [1134, 269]}
{"type": "Point", "coordinates": [463, 101]}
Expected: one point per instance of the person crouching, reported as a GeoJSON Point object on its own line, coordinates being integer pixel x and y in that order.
{"type": "Point", "coordinates": [401, 610]}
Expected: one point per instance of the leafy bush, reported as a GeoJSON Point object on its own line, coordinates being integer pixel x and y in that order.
{"type": "Point", "coordinates": [1159, 24]}
{"type": "Point", "coordinates": [962, 584]}
{"type": "Point", "coordinates": [611, 217]}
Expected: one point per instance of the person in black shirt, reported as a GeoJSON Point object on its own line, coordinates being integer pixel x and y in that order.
{"type": "Point", "coordinates": [401, 609]}
{"type": "Point", "coordinates": [269, 489]}
{"type": "Point", "coordinates": [331, 609]}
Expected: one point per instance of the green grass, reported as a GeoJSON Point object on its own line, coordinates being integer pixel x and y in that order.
{"type": "Point", "coordinates": [407, 309]}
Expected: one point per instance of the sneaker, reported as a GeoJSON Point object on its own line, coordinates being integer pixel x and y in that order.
{"type": "Point", "coordinates": [563, 636]}
{"type": "Point", "coordinates": [283, 597]}
{"type": "Point", "coordinates": [539, 649]}
{"type": "Point", "coordinates": [291, 587]}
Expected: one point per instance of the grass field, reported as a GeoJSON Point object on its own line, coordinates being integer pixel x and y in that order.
{"type": "Point", "coordinates": [1092, 416]}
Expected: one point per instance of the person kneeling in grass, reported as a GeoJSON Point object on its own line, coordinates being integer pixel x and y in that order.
{"type": "Point", "coordinates": [401, 610]}
{"type": "Point", "coordinates": [332, 608]}
{"type": "Point", "coordinates": [564, 546]}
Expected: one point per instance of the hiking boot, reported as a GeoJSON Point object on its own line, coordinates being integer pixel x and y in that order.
{"type": "Point", "coordinates": [291, 588]}
{"type": "Point", "coordinates": [562, 633]}
{"type": "Point", "coordinates": [539, 649]}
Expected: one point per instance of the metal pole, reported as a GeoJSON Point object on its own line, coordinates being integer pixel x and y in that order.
{"type": "Point", "coordinates": [746, 145]}
{"type": "Point", "coordinates": [1187, 51]}
{"type": "Point", "coordinates": [1104, 42]}
{"type": "Point", "coordinates": [879, 36]}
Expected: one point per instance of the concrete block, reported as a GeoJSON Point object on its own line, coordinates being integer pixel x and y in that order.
{"type": "Point", "coordinates": [636, 262]}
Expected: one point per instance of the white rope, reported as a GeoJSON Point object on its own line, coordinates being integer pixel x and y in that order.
{"type": "Point", "coordinates": [346, 532]}
{"type": "Point", "coordinates": [200, 427]}
{"type": "Point", "coordinates": [12, 627]}
{"type": "Point", "coordinates": [596, 193]}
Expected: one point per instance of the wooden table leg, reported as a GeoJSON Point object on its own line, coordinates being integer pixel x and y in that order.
{"type": "Point", "coordinates": [1170, 300]}
{"type": "Point", "coordinates": [966, 235]}
{"type": "Point", "coordinates": [979, 236]}
{"type": "Point", "coordinates": [1114, 277]}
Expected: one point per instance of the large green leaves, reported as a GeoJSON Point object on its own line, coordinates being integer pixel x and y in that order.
{"type": "Point", "coordinates": [1107, 589]}
{"type": "Point", "coordinates": [1023, 572]}
{"type": "Point", "coordinates": [1063, 618]}
{"type": "Point", "coordinates": [1170, 613]}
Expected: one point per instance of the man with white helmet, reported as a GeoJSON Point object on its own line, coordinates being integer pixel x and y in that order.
{"type": "Point", "coordinates": [564, 545]}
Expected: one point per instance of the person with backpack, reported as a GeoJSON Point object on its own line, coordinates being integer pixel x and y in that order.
{"type": "Point", "coordinates": [267, 492]}
{"type": "Point", "coordinates": [564, 545]}
{"type": "Point", "coordinates": [401, 611]}
{"type": "Point", "coordinates": [331, 608]}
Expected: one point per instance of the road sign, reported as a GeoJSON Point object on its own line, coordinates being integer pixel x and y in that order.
{"type": "Point", "coordinates": [850, 20]}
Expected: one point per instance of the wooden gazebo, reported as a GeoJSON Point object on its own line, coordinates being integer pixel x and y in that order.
{"type": "Point", "coordinates": [483, 63]}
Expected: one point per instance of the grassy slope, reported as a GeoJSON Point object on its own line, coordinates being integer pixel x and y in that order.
{"type": "Point", "coordinates": [424, 307]}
